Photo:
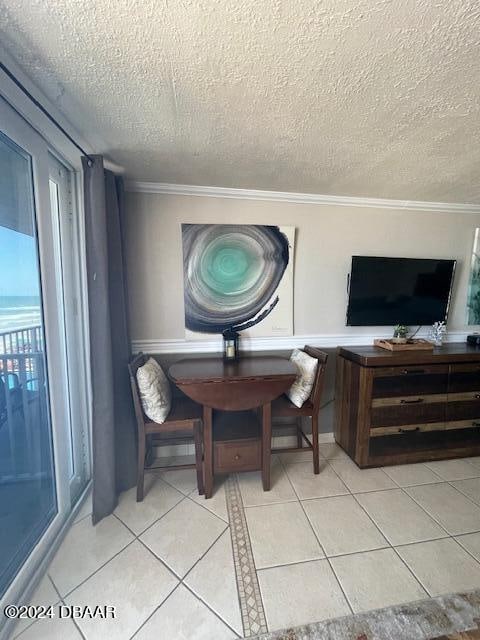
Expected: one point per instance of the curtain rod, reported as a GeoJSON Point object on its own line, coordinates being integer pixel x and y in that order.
{"type": "Point", "coordinates": [45, 112]}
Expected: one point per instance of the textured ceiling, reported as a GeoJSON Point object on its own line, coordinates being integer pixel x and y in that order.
{"type": "Point", "coordinates": [349, 97]}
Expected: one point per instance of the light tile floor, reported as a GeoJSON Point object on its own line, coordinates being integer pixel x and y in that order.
{"type": "Point", "coordinates": [314, 547]}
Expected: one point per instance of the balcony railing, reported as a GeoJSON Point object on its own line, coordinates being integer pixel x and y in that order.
{"type": "Point", "coordinates": [23, 340]}
{"type": "Point", "coordinates": [22, 403]}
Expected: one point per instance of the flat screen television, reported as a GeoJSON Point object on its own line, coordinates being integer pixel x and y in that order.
{"type": "Point", "coordinates": [390, 291]}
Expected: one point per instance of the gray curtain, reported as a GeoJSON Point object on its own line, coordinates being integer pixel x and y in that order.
{"type": "Point", "coordinates": [113, 422]}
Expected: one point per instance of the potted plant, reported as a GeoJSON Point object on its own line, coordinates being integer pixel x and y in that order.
{"type": "Point", "coordinates": [400, 333]}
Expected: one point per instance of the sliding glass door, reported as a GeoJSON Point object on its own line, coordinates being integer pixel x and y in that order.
{"type": "Point", "coordinates": [43, 426]}
{"type": "Point", "coordinates": [28, 499]}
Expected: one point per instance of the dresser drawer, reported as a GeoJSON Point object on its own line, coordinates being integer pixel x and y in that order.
{"type": "Point", "coordinates": [237, 455]}
{"type": "Point", "coordinates": [409, 410]}
{"type": "Point", "coordinates": [463, 424]}
{"type": "Point", "coordinates": [464, 377]}
{"type": "Point", "coordinates": [463, 405]}
{"type": "Point", "coordinates": [407, 429]}
{"type": "Point", "coordinates": [409, 380]}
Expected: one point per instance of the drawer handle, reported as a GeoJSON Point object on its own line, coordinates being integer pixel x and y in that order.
{"type": "Point", "coordinates": [236, 457]}
{"type": "Point", "coordinates": [475, 424]}
{"type": "Point", "coordinates": [477, 396]}
{"type": "Point", "coordinates": [408, 430]}
{"type": "Point", "coordinates": [417, 401]}
{"type": "Point", "coordinates": [407, 372]}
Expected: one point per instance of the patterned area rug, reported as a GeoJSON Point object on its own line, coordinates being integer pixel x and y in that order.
{"type": "Point", "coordinates": [454, 617]}
{"type": "Point", "coordinates": [473, 634]}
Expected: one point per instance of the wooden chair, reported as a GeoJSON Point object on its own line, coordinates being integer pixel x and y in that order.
{"type": "Point", "coordinates": [183, 422]}
{"type": "Point", "coordinates": [282, 408]}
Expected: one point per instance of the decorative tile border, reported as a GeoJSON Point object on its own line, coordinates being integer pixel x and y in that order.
{"type": "Point", "coordinates": [251, 605]}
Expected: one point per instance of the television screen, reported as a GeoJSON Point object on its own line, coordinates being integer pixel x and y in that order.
{"type": "Point", "coordinates": [390, 291]}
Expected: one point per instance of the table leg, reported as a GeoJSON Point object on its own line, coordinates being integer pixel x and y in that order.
{"type": "Point", "coordinates": [266, 444]}
{"type": "Point", "coordinates": [208, 451]}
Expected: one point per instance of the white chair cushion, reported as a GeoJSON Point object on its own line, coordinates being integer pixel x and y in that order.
{"type": "Point", "coordinates": [301, 389]}
{"type": "Point", "coordinates": [155, 392]}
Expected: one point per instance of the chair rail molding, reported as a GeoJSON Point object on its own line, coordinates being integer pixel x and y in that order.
{"type": "Point", "coordinates": [165, 188]}
{"type": "Point", "coordinates": [275, 343]}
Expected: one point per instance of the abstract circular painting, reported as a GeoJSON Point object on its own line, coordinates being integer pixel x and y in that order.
{"type": "Point", "coordinates": [231, 274]}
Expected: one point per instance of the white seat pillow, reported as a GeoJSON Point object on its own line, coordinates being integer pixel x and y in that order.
{"type": "Point", "coordinates": [155, 392]}
{"type": "Point", "coordinates": [301, 389]}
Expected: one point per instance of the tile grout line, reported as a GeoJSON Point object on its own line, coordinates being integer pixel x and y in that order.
{"type": "Point", "coordinates": [77, 626]}
{"type": "Point", "coordinates": [155, 610]}
{"type": "Point", "coordinates": [217, 615]}
{"type": "Point", "coordinates": [205, 553]}
{"type": "Point", "coordinates": [465, 548]}
{"type": "Point", "coordinates": [32, 622]}
{"type": "Point", "coordinates": [404, 489]}
{"type": "Point", "coordinates": [138, 538]}
{"type": "Point", "coordinates": [418, 505]}
{"type": "Point", "coordinates": [69, 593]}
{"type": "Point", "coordinates": [370, 490]}
{"type": "Point", "coordinates": [424, 587]}
{"type": "Point", "coordinates": [160, 476]}
{"type": "Point", "coordinates": [186, 585]}
{"type": "Point", "coordinates": [392, 547]}
{"type": "Point", "coordinates": [182, 580]}
{"type": "Point", "coordinates": [137, 535]}
{"type": "Point", "coordinates": [248, 587]}
{"type": "Point", "coordinates": [449, 536]}
{"type": "Point", "coordinates": [382, 534]}
{"type": "Point", "coordinates": [172, 571]}
{"type": "Point", "coordinates": [385, 469]}
{"type": "Point", "coordinates": [426, 511]}
{"type": "Point", "coordinates": [200, 504]}
{"type": "Point", "coordinates": [318, 540]}
{"type": "Point", "coordinates": [450, 482]}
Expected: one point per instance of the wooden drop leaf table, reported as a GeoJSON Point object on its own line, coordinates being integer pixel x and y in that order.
{"type": "Point", "coordinates": [238, 440]}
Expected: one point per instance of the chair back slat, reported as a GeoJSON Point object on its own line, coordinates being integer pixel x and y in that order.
{"type": "Point", "coordinates": [317, 389]}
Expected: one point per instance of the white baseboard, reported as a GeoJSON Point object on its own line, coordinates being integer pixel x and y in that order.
{"type": "Point", "coordinates": [277, 343]}
{"type": "Point", "coordinates": [278, 442]}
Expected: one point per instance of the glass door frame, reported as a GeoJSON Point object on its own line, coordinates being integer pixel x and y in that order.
{"type": "Point", "coordinates": [69, 275]}
{"type": "Point", "coordinates": [22, 134]}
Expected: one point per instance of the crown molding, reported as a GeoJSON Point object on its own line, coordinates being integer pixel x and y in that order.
{"type": "Point", "coordinates": [277, 343]}
{"type": "Point", "coordinates": [301, 198]}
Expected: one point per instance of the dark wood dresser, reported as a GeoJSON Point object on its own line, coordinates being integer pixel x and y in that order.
{"type": "Point", "coordinates": [413, 406]}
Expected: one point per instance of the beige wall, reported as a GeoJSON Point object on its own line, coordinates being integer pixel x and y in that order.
{"type": "Point", "coordinates": [327, 237]}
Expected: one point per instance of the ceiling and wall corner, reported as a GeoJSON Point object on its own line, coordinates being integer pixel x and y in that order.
{"type": "Point", "coordinates": [17, 99]}
{"type": "Point", "coordinates": [364, 98]}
